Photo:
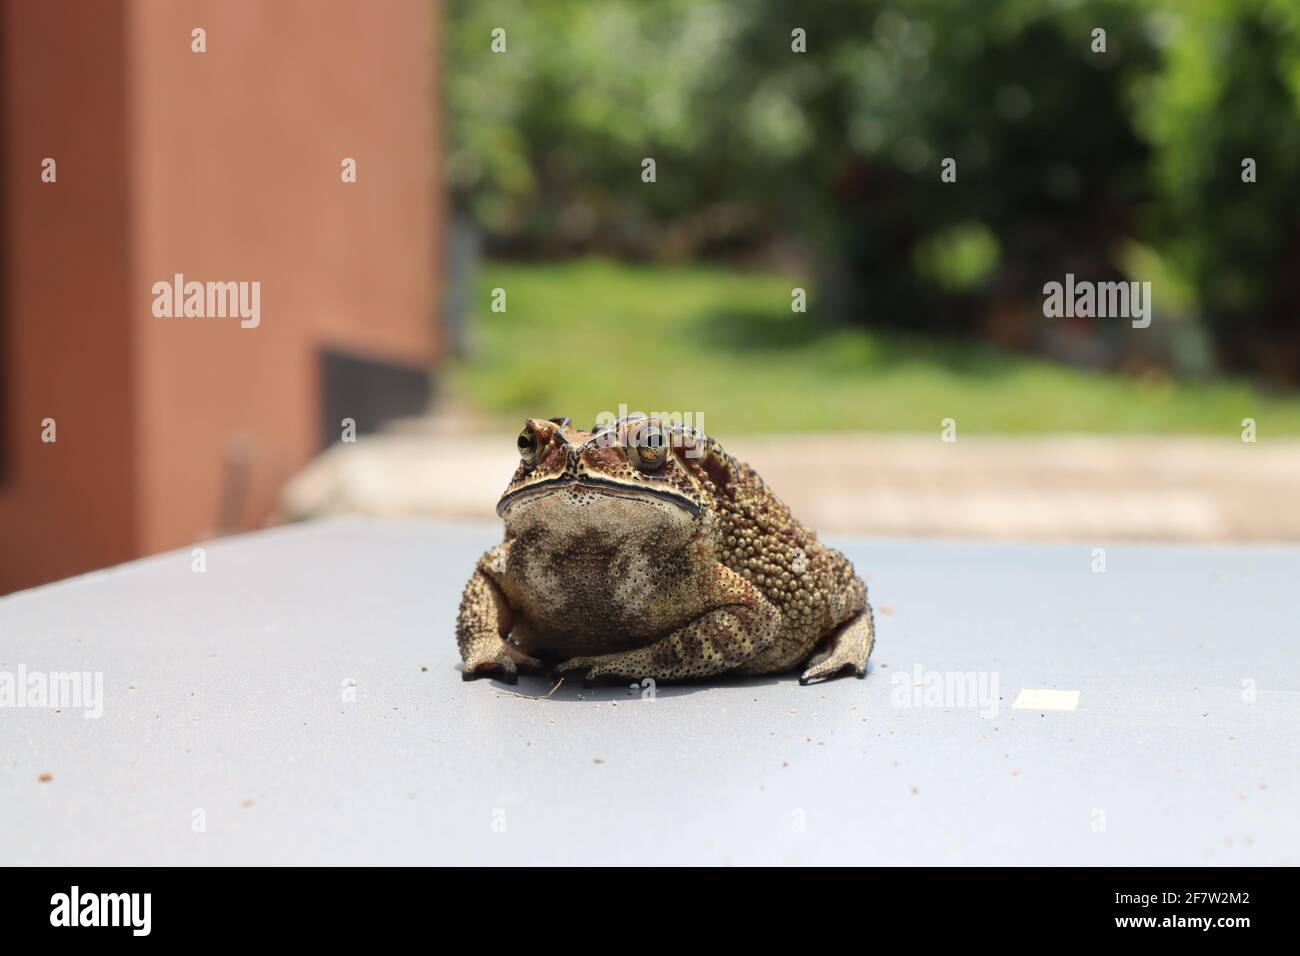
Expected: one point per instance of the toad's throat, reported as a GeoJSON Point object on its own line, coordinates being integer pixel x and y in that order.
{"type": "Point", "coordinates": [602, 486]}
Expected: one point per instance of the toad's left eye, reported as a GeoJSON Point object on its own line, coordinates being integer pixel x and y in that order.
{"type": "Point", "coordinates": [527, 445]}
{"type": "Point", "coordinates": [649, 448]}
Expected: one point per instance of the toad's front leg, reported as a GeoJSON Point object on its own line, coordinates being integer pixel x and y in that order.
{"type": "Point", "coordinates": [738, 624]}
{"type": "Point", "coordinates": [484, 620]}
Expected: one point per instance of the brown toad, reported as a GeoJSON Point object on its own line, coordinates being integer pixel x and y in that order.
{"type": "Point", "coordinates": [642, 549]}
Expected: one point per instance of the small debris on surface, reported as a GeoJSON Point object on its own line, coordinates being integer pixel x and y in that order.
{"type": "Point", "coordinates": [246, 804]}
{"type": "Point", "coordinates": [423, 669]}
{"type": "Point", "coordinates": [597, 759]}
{"type": "Point", "coordinates": [45, 777]}
{"type": "Point", "coordinates": [130, 685]}
{"type": "Point", "coordinates": [887, 609]}
{"type": "Point", "coordinates": [534, 696]}
{"type": "Point", "coordinates": [915, 791]}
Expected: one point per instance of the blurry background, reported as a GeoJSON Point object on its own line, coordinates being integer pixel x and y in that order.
{"type": "Point", "coordinates": [501, 255]}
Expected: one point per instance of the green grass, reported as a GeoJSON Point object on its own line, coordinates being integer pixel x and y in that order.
{"type": "Point", "coordinates": [582, 337]}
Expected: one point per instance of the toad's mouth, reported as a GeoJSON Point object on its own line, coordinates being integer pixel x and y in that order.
{"type": "Point", "coordinates": [602, 486]}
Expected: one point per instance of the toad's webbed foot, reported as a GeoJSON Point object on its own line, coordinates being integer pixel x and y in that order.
{"type": "Point", "coordinates": [503, 662]}
{"type": "Point", "coordinates": [850, 646]}
{"type": "Point", "coordinates": [484, 620]}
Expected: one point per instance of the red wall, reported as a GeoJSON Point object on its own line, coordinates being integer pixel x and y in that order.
{"type": "Point", "coordinates": [68, 352]}
{"type": "Point", "coordinates": [224, 166]}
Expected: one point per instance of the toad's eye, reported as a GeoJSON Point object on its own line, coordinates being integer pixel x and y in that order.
{"type": "Point", "coordinates": [649, 448]}
{"type": "Point", "coordinates": [528, 446]}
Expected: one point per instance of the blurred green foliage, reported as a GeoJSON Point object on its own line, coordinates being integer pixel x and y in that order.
{"type": "Point", "coordinates": [578, 337]}
{"type": "Point", "coordinates": [1230, 89]}
{"type": "Point", "coordinates": [1067, 159]}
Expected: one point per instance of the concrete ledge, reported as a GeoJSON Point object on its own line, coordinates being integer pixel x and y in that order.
{"type": "Point", "coordinates": [1039, 488]}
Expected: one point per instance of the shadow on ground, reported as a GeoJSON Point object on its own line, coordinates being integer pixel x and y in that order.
{"type": "Point", "coordinates": [571, 690]}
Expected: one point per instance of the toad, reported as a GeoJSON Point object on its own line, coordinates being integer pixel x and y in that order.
{"type": "Point", "coordinates": [643, 549]}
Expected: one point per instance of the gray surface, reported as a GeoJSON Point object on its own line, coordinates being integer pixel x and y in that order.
{"type": "Point", "coordinates": [238, 675]}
